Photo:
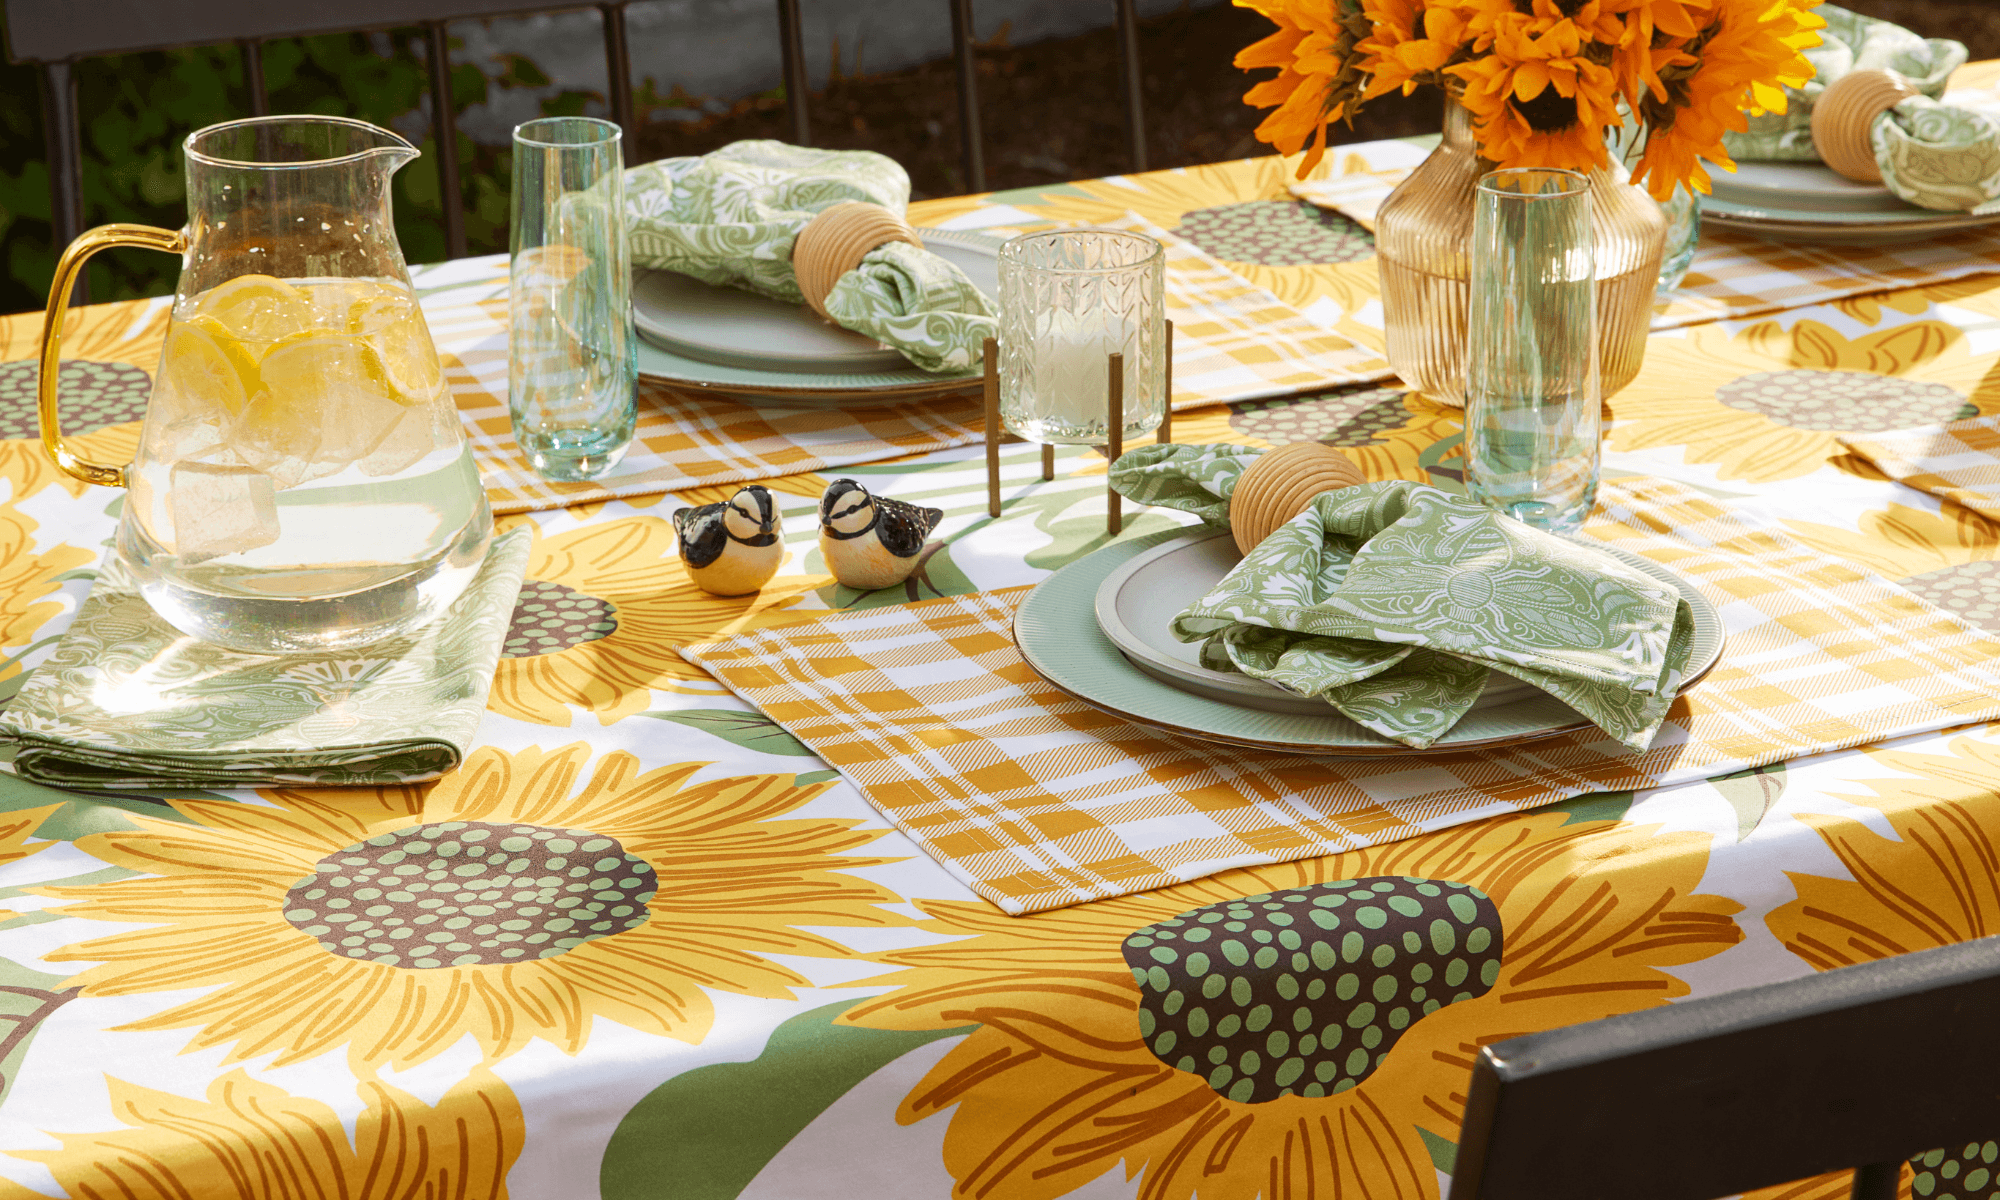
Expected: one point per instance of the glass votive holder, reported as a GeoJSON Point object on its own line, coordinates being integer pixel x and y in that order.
{"type": "Point", "coordinates": [573, 363]}
{"type": "Point", "coordinates": [1070, 299]}
{"type": "Point", "coordinates": [1533, 401]}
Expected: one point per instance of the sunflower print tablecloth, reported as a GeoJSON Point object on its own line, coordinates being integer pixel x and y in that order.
{"type": "Point", "coordinates": [645, 944]}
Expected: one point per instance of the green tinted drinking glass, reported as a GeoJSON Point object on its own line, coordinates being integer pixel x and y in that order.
{"type": "Point", "coordinates": [573, 366]}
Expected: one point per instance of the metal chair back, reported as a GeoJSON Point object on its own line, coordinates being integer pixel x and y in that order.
{"type": "Point", "coordinates": [56, 36]}
{"type": "Point", "coordinates": [1864, 1066]}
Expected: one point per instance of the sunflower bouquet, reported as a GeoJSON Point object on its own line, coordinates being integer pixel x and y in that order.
{"type": "Point", "coordinates": [1544, 80]}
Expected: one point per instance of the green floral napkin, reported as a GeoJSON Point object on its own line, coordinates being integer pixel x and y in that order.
{"type": "Point", "coordinates": [128, 701]}
{"type": "Point", "coordinates": [1392, 601]}
{"type": "Point", "coordinates": [730, 217]}
{"type": "Point", "coordinates": [1934, 155]}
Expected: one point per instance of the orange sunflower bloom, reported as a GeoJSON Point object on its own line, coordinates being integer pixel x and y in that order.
{"type": "Point", "coordinates": [1319, 78]}
{"type": "Point", "coordinates": [1396, 55]}
{"type": "Point", "coordinates": [1740, 60]}
{"type": "Point", "coordinates": [1537, 93]}
{"type": "Point", "coordinates": [1292, 1030]}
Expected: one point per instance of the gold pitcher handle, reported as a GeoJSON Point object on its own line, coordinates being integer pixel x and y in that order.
{"type": "Point", "coordinates": [87, 243]}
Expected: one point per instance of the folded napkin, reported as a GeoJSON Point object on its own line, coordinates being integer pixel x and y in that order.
{"type": "Point", "coordinates": [1850, 42]}
{"type": "Point", "coordinates": [1931, 153]}
{"type": "Point", "coordinates": [1959, 461]}
{"type": "Point", "coordinates": [1393, 601]}
{"type": "Point", "coordinates": [128, 701]}
{"type": "Point", "coordinates": [730, 218]}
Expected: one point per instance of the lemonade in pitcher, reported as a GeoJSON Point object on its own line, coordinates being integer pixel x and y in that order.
{"type": "Point", "coordinates": [302, 481]}
{"type": "Point", "coordinates": [300, 449]}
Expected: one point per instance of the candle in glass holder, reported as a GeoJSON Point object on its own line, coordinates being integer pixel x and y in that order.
{"type": "Point", "coordinates": [1068, 301]}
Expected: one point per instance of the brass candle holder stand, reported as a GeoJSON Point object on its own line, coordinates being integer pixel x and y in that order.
{"type": "Point", "coordinates": [1114, 515]}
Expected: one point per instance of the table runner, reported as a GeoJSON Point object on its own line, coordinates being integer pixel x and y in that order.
{"type": "Point", "coordinates": [1038, 800]}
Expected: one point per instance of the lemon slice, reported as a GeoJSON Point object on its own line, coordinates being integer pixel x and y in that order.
{"type": "Point", "coordinates": [203, 363]}
{"type": "Point", "coordinates": [314, 363]}
{"type": "Point", "coordinates": [392, 328]}
{"type": "Point", "coordinates": [257, 308]}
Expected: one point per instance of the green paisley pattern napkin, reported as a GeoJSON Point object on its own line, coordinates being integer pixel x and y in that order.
{"type": "Point", "coordinates": [1933, 155]}
{"type": "Point", "coordinates": [730, 217]}
{"type": "Point", "coordinates": [1393, 601]}
{"type": "Point", "coordinates": [129, 701]}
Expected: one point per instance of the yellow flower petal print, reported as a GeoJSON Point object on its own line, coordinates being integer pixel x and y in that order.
{"type": "Point", "coordinates": [1936, 883]}
{"type": "Point", "coordinates": [1384, 430]}
{"type": "Point", "coordinates": [1899, 542]}
{"type": "Point", "coordinates": [248, 1138]}
{"type": "Point", "coordinates": [513, 899]}
{"type": "Point", "coordinates": [1070, 1072]}
{"type": "Point", "coordinates": [15, 829]}
{"type": "Point", "coordinates": [600, 612]}
{"type": "Point", "coordinates": [27, 577]}
{"type": "Point", "coordinates": [1764, 404]}
{"type": "Point", "coordinates": [129, 331]}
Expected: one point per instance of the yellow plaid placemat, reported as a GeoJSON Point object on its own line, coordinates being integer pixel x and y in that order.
{"type": "Point", "coordinates": [1959, 461]}
{"type": "Point", "coordinates": [1037, 800]}
{"type": "Point", "coordinates": [1733, 275]}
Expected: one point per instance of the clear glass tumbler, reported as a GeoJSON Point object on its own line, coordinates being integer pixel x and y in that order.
{"type": "Point", "coordinates": [1068, 301]}
{"type": "Point", "coordinates": [1533, 416]}
{"type": "Point", "coordinates": [573, 365]}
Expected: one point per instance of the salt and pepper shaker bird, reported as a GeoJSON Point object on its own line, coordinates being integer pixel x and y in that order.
{"type": "Point", "coordinates": [732, 548]}
{"type": "Point", "coordinates": [871, 541]}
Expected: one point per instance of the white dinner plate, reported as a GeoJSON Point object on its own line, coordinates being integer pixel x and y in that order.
{"type": "Point", "coordinates": [1059, 636]}
{"type": "Point", "coordinates": [750, 347]}
{"type": "Point", "coordinates": [1811, 203]}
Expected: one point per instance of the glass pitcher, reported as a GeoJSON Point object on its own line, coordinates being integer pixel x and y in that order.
{"type": "Point", "coordinates": [302, 481]}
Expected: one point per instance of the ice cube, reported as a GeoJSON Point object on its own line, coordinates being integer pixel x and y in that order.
{"type": "Point", "coordinates": [421, 430]}
{"type": "Point", "coordinates": [220, 510]}
{"type": "Point", "coordinates": [294, 437]}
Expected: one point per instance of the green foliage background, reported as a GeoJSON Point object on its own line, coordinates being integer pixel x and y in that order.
{"type": "Point", "coordinates": [136, 109]}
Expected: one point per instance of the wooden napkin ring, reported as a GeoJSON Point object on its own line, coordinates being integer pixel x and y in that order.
{"type": "Point", "coordinates": [834, 243]}
{"type": "Point", "coordinates": [1844, 116]}
{"type": "Point", "coordinates": [1281, 483]}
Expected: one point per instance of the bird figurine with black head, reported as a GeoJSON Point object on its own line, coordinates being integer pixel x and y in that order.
{"type": "Point", "coordinates": [870, 541]}
{"type": "Point", "coordinates": [732, 548]}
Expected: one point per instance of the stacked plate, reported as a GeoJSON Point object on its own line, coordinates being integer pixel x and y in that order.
{"type": "Point", "coordinates": [763, 351]}
{"type": "Point", "coordinates": [1098, 630]}
{"type": "Point", "coordinates": [1811, 203]}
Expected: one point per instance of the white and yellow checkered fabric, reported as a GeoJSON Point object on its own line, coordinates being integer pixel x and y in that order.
{"type": "Point", "coordinates": [1037, 800]}
{"type": "Point", "coordinates": [1959, 461]}
{"type": "Point", "coordinates": [1233, 341]}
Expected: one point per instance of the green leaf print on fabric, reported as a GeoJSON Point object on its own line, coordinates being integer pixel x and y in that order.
{"type": "Point", "coordinates": [1751, 793]}
{"type": "Point", "coordinates": [27, 999]}
{"type": "Point", "coordinates": [750, 730]}
{"type": "Point", "coordinates": [730, 218]}
{"type": "Point", "coordinates": [1392, 601]}
{"type": "Point", "coordinates": [704, 1135]}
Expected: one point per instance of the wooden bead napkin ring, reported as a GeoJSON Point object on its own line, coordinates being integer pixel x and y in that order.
{"type": "Point", "coordinates": [1844, 115]}
{"type": "Point", "coordinates": [834, 243]}
{"type": "Point", "coordinates": [1280, 484]}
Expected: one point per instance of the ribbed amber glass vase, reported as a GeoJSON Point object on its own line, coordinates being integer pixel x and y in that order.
{"type": "Point", "coordinates": [1423, 236]}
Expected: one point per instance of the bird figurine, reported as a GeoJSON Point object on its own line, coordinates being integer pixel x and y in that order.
{"type": "Point", "coordinates": [732, 548]}
{"type": "Point", "coordinates": [871, 541]}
